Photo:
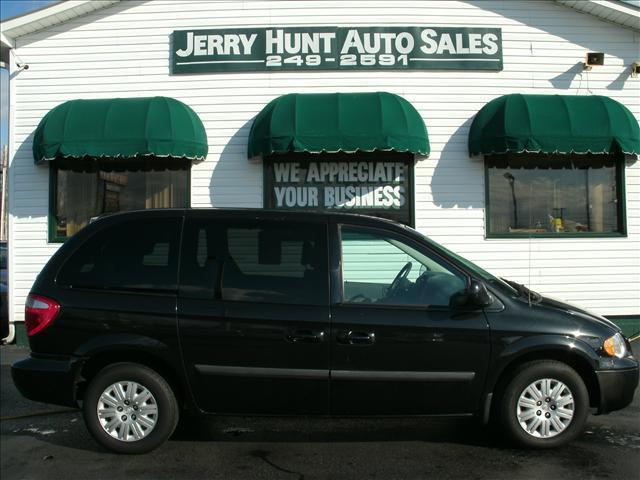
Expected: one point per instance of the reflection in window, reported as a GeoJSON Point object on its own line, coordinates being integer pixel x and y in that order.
{"type": "Point", "coordinates": [553, 194]}
{"type": "Point", "coordinates": [260, 252]}
{"type": "Point", "coordinates": [138, 254]}
{"type": "Point", "coordinates": [259, 262]}
{"type": "Point", "coordinates": [83, 195]}
{"type": "Point", "coordinates": [276, 264]}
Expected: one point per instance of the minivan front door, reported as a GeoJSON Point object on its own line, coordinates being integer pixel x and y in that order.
{"type": "Point", "coordinates": [397, 347]}
{"type": "Point", "coordinates": [253, 314]}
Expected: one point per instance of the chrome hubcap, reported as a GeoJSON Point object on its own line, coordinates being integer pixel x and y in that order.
{"type": "Point", "coordinates": [127, 411]}
{"type": "Point", "coordinates": [545, 408]}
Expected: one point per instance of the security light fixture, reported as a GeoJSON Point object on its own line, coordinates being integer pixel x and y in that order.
{"type": "Point", "coordinates": [635, 69]}
{"type": "Point", "coordinates": [593, 59]}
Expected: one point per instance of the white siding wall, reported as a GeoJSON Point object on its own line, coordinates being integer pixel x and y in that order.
{"type": "Point", "coordinates": [123, 51]}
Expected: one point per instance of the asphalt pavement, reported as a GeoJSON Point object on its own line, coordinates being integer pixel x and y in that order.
{"type": "Point", "coordinates": [40, 441]}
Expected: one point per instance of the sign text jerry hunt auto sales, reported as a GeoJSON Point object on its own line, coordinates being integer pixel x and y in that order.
{"type": "Point", "coordinates": [336, 48]}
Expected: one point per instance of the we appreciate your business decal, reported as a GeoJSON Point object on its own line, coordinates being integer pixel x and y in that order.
{"type": "Point", "coordinates": [379, 187]}
{"type": "Point", "coordinates": [336, 48]}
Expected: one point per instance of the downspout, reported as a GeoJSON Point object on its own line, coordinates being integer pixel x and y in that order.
{"type": "Point", "coordinates": [11, 67]}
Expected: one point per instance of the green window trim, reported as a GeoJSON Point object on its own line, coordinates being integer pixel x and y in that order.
{"type": "Point", "coordinates": [52, 237]}
{"type": "Point", "coordinates": [622, 209]}
{"type": "Point", "coordinates": [53, 196]}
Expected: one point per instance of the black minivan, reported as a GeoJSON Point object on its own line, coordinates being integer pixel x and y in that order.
{"type": "Point", "coordinates": [143, 314]}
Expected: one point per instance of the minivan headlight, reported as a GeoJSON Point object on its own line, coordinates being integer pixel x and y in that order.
{"type": "Point", "coordinates": [615, 346]}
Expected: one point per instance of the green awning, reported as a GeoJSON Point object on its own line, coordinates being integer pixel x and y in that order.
{"type": "Point", "coordinates": [120, 128]}
{"type": "Point", "coordinates": [338, 122]}
{"type": "Point", "coordinates": [520, 123]}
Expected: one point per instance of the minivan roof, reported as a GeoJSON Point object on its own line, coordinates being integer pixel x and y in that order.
{"type": "Point", "coordinates": [260, 213]}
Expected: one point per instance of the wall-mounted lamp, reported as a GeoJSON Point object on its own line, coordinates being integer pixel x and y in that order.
{"type": "Point", "coordinates": [635, 69]}
{"type": "Point", "coordinates": [593, 59]}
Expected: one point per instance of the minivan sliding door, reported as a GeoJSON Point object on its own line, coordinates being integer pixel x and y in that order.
{"type": "Point", "coordinates": [253, 314]}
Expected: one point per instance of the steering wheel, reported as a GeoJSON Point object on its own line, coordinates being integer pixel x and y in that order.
{"type": "Point", "coordinates": [402, 274]}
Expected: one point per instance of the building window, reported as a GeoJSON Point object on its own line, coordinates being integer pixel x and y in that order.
{"type": "Point", "coordinates": [80, 194]}
{"type": "Point", "coordinates": [555, 195]}
{"type": "Point", "coordinates": [370, 183]}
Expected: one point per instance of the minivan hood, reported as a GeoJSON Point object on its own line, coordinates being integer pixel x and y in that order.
{"type": "Point", "coordinates": [579, 311]}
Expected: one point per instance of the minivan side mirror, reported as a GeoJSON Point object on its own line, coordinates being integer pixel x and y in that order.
{"type": "Point", "coordinates": [476, 295]}
{"type": "Point", "coordinates": [479, 295]}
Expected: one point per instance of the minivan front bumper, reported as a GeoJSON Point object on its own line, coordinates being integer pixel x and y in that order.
{"type": "Point", "coordinates": [48, 378]}
{"type": "Point", "coordinates": [616, 388]}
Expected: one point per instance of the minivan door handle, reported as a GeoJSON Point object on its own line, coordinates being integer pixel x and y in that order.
{"type": "Point", "coordinates": [305, 336]}
{"type": "Point", "coordinates": [356, 338]}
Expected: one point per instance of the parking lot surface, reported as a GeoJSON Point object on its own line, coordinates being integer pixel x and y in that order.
{"type": "Point", "coordinates": [40, 441]}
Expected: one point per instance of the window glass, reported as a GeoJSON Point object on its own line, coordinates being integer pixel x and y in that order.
{"type": "Point", "coordinates": [130, 255]}
{"type": "Point", "coordinates": [203, 243]}
{"type": "Point", "coordinates": [202, 247]}
{"type": "Point", "coordinates": [83, 195]}
{"type": "Point", "coordinates": [282, 258]}
{"type": "Point", "coordinates": [275, 263]}
{"type": "Point", "coordinates": [381, 269]}
{"type": "Point", "coordinates": [553, 195]}
{"type": "Point", "coordinates": [371, 183]}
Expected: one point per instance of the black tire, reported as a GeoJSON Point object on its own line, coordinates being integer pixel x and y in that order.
{"type": "Point", "coordinates": [167, 407]}
{"type": "Point", "coordinates": [524, 376]}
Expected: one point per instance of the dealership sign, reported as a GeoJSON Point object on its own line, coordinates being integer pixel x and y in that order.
{"type": "Point", "coordinates": [373, 187]}
{"type": "Point", "coordinates": [336, 48]}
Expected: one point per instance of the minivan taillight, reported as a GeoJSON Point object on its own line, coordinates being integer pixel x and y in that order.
{"type": "Point", "coordinates": [39, 313]}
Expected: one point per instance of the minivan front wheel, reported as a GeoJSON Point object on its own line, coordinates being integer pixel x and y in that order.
{"type": "Point", "coordinates": [544, 405]}
{"type": "Point", "coordinates": [129, 408]}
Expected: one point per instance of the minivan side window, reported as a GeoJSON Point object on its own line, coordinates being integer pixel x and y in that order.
{"type": "Point", "coordinates": [275, 263]}
{"type": "Point", "coordinates": [254, 261]}
{"type": "Point", "coordinates": [133, 255]}
{"type": "Point", "coordinates": [381, 269]}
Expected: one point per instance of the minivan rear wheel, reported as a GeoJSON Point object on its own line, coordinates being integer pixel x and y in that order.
{"type": "Point", "coordinates": [129, 408]}
{"type": "Point", "coordinates": [544, 405]}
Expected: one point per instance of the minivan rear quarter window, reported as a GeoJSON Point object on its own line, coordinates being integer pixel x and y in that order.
{"type": "Point", "coordinates": [140, 255]}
